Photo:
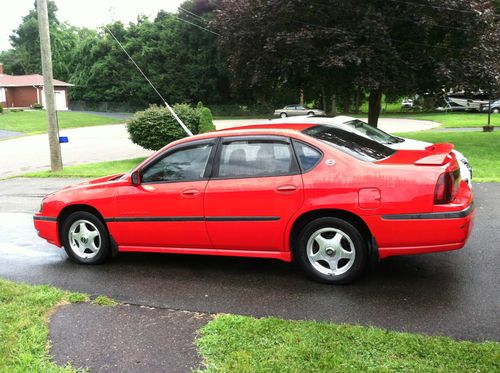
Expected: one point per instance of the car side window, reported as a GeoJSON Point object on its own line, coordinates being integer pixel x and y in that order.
{"type": "Point", "coordinates": [187, 164]}
{"type": "Point", "coordinates": [256, 158]}
{"type": "Point", "coordinates": [308, 156]}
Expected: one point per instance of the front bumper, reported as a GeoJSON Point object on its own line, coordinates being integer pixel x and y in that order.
{"type": "Point", "coordinates": [47, 228]}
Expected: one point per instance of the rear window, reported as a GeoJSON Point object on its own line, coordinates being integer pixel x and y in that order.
{"type": "Point", "coordinates": [355, 145]}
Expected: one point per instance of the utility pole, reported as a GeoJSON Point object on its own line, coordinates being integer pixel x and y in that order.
{"type": "Point", "coordinates": [48, 86]}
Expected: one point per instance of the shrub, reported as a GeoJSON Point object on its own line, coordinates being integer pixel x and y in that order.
{"type": "Point", "coordinates": [1, 109]}
{"type": "Point", "coordinates": [155, 127]}
{"type": "Point", "coordinates": [206, 120]}
{"type": "Point", "coordinates": [37, 106]}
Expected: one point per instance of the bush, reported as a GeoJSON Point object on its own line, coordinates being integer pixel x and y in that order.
{"type": "Point", "coordinates": [1, 109]}
{"type": "Point", "coordinates": [37, 106]}
{"type": "Point", "coordinates": [155, 127]}
{"type": "Point", "coordinates": [206, 120]}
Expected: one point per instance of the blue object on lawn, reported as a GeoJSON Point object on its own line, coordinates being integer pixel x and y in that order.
{"type": "Point", "coordinates": [63, 139]}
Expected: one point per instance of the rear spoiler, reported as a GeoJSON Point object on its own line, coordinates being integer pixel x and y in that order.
{"type": "Point", "coordinates": [441, 154]}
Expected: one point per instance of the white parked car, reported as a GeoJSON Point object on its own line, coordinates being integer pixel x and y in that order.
{"type": "Point", "coordinates": [364, 129]}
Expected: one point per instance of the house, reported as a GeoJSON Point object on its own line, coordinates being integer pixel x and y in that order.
{"type": "Point", "coordinates": [22, 91]}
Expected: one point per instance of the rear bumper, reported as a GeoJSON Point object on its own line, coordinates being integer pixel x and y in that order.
{"type": "Point", "coordinates": [409, 234]}
{"type": "Point", "coordinates": [47, 228]}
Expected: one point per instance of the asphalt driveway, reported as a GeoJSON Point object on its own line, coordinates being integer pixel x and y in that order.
{"type": "Point", "coordinates": [454, 293]}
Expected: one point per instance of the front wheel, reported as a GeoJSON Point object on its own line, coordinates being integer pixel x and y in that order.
{"type": "Point", "coordinates": [495, 110]}
{"type": "Point", "coordinates": [311, 113]}
{"type": "Point", "coordinates": [332, 251]}
{"type": "Point", "coordinates": [283, 115]}
{"type": "Point", "coordinates": [85, 238]}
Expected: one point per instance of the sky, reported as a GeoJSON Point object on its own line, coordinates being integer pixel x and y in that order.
{"type": "Point", "coordinates": [88, 13]}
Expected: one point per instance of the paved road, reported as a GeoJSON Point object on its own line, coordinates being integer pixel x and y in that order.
{"type": "Point", "coordinates": [454, 293]}
{"type": "Point", "coordinates": [8, 134]}
{"type": "Point", "coordinates": [86, 145]}
{"type": "Point", "coordinates": [106, 143]}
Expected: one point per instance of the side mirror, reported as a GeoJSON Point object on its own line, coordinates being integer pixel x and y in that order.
{"type": "Point", "coordinates": [134, 178]}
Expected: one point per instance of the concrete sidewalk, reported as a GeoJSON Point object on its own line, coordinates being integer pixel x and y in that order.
{"type": "Point", "coordinates": [126, 338]}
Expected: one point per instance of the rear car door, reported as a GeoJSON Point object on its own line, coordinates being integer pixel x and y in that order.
{"type": "Point", "coordinates": [255, 189]}
{"type": "Point", "coordinates": [166, 209]}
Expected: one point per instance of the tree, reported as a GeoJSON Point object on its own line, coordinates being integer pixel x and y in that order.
{"type": "Point", "coordinates": [24, 57]}
{"type": "Point", "coordinates": [371, 45]}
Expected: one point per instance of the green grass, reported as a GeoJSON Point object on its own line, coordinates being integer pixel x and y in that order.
{"type": "Point", "coordinates": [24, 312]}
{"type": "Point", "coordinates": [103, 300]}
{"type": "Point", "coordinates": [244, 344]}
{"type": "Point", "coordinates": [32, 122]}
{"type": "Point", "coordinates": [450, 120]}
{"type": "Point", "coordinates": [91, 169]}
{"type": "Point", "coordinates": [481, 148]}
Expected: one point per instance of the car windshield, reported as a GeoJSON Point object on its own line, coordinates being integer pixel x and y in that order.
{"type": "Point", "coordinates": [348, 142]}
{"type": "Point", "coordinates": [372, 132]}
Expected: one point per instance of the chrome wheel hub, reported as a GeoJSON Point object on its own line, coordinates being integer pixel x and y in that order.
{"type": "Point", "coordinates": [84, 239]}
{"type": "Point", "coordinates": [330, 251]}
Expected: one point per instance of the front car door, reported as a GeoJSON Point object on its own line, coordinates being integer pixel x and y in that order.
{"type": "Point", "coordinates": [255, 189]}
{"type": "Point", "coordinates": [166, 209]}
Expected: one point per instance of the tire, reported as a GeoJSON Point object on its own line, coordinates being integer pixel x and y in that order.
{"type": "Point", "coordinates": [495, 110]}
{"type": "Point", "coordinates": [95, 241]}
{"type": "Point", "coordinates": [338, 257]}
{"type": "Point", "coordinates": [283, 115]}
{"type": "Point", "coordinates": [310, 113]}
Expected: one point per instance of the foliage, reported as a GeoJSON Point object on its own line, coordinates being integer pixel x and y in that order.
{"type": "Point", "coordinates": [155, 127]}
{"type": "Point", "coordinates": [232, 343]}
{"type": "Point", "coordinates": [349, 48]}
{"type": "Point", "coordinates": [91, 170]}
{"type": "Point", "coordinates": [24, 57]}
{"type": "Point", "coordinates": [31, 122]}
{"type": "Point", "coordinates": [206, 120]}
{"type": "Point", "coordinates": [37, 106]}
{"type": "Point", "coordinates": [1, 109]}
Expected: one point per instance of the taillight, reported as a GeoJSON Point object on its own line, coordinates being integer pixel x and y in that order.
{"type": "Point", "coordinates": [447, 187]}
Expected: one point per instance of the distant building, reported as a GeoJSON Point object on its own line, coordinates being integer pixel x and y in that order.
{"type": "Point", "coordinates": [22, 91]}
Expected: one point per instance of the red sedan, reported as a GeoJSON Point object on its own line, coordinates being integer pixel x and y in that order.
{"type": "Point", "coordinates": [326, 197]}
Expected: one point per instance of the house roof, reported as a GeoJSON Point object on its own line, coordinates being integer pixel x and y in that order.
{"type": "Point", "coordinates": [27, 81]}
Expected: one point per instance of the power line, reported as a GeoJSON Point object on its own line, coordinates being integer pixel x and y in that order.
{"type": "Point", "coordinates": [194, 15]}
{"type": "Point", "coordinates": [194, 24]}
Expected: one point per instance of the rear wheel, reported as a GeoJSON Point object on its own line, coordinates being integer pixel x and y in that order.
{"type": "Point", "coordinates": [283, 115]}
{"type": "Point", "coordinates": [332, 250]}
{"type": "Point", "coordinates": [310, 113]}
{"type": "Point", "coordinates": [85, 238]}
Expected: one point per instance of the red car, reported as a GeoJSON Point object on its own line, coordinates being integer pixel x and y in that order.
{"type": "Point", "coordinates": [328, 198]}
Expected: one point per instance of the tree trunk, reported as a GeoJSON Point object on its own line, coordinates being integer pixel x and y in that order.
{"type": "Point", "coordinates": [347, 103]}
{"type": "Point", "coordinates": [334, 104]}
{"type": "Point", "coordinates": [301, 97]}
{"type": "Point", "coordinates": [374, 105]}
{"type": "Point", "coordinates": [323, 98]}
{"type": "Point", "coordinates": [356, 100]}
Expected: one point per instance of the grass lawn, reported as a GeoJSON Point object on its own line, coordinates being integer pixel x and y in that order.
{"type": "Point", "coordinates": [244, 344]}
{"type": "Point", "coordinates": [481, 148]}
{"type": "Point", "coordinates": [92, 169]}
{"type": "Point", "coordinates": [450, 120]}
{"type": "Point", "coordinates": [24, 311]}
{"type": "Point", "coordinates": [35, 121]}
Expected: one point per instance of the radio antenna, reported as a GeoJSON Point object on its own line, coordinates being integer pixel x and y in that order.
{"type": "Point", "coordinates": [184, 127]}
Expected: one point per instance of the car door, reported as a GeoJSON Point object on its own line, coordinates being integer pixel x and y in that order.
{"type": "Point", "coordinates": [166, 208]}
{"type": "Point", "coordinates": [255, 189]}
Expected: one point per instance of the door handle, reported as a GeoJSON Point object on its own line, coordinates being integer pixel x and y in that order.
{"type": "Point", "coordinates": [190, 192]}
{"type": "Point", "coordinates": [287, 188]}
